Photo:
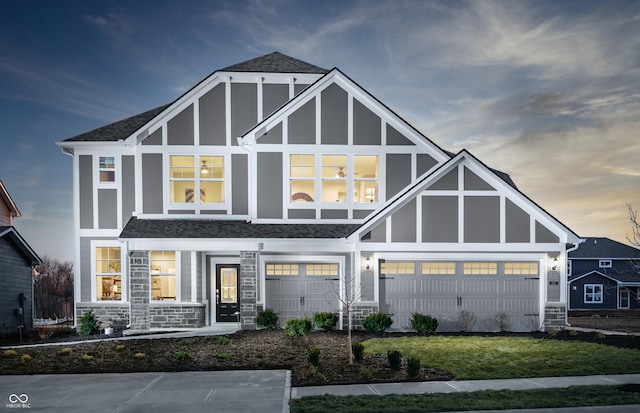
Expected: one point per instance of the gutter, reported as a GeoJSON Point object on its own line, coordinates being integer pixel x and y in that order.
{"type": "Point", "coordinates": [568, 290]}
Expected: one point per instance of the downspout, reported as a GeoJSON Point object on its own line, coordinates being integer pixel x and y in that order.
{"type": "Point", "coordinates": [568, 289]}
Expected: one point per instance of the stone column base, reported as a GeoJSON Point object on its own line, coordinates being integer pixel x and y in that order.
{"type": "Point", "coordinates": [555, 316]}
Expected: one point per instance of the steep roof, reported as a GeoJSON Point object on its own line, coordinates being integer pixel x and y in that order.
{"type": "Point", "coordinates": [602, 248]}
{"type": "Point", "coordinates": [201, 228]}
{"type": "Point", "coordinates": [122, 129]}
{"type": "Point", "coordinates": [275, 62]}
{"type": "Point", "coordinates": [6, 198]}
{"type": "Point", "coordinates": [14, 235]}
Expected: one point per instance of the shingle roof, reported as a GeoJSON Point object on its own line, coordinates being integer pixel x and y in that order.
{"type": "Point", "coordinates": [118, 130]}
{"type": "Point", "coordinates": [201, 228]}
{"type": "Point", "coordinates": [275, 62]}
{"type": "Point", "coordinates": [601, 248]}
{"type": "Point", "coordinates": [627, 277]}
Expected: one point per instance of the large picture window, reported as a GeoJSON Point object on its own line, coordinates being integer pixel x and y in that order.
{"type": "Point", "coordinates": [593, 293]}
{"type": "Point", "coordinates": [163, 275]}
{"type": "Point", "coordinates": [108, 267]}
{"type": "Point", "coordinates": [196, 179]}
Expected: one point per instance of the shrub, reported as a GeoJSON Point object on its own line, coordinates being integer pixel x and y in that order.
{"type": "Point", "coordinates": [413, 367]}
{"type": "Point", "coordinates": [377, 323]}
{"type": "Point", "coordinates": [10, 353]}
{"type": "Point", "coordinates": [120, 347]}
{"type": "Point", "coordinates": [395, 359]}
{"type": "Point", "coordinates": [139, 355]}
{"type": "Point", "coordinates": [298, 326]}
{"type": "Point", "coordinates": [89, 325]}
{"type": "Point", "coordinates": [183, 342]}
{"type": "Point", "coordinates": [66, 350]}
{"type": "Point", "coordinates": [601, 336]}
{"type": "Point", "coordinates": [573, 332]}
{"type": "Point", "coordinates": [87, 357]}
{"type": "Point", "coordinates": [466, 320]}
{"type": "Point", "coordinates": [503, 321]}
{"type": "Point", "coordinates": [26, 358]}
{"type": "Point", "coordinates": [325, 321]}
{"type": "Point", "coordinates": [358, 351]}
{"type": "Point", "coordinates": [267, 318]}
{"type": "Point", "coordinates": [365, 373]}
{"type": "Point", "coordinates": [424, 324]}
{"type": "Point", "coordinates": [224, 356]}
{"type": "Point", "coordinates": [314, 356]}
{"type": "Point", "coordinates": [181, 355]}
{"type": "Point", "coordinates": [315, 373]}
{"type": "Point", "coordinates": [223, 341]}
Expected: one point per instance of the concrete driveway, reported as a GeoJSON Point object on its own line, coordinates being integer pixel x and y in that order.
{"type": "Point", "coordinates": [213, 391]}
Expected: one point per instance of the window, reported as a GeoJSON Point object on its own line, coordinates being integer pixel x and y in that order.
{"type": "Point", "coordinates": [163, 275]}
{"type": "Point", "coordinates": [605, 264]}
{"type": "Point", "coordinates": [209, 185]}
{"type": "Point", "coordinates": [108, 274]}
{"type": "Point", "coordinates": [322, 269]}
{"type": "Point", "coordinates": [334, 178]}
{"type": "Point", "coordinates": [400, 267]}
{"type": "Point", "coordinates": [520, 268]}
{"type": "Point", "coordinates": [480, 268]}
{"type": "Point", "coordinates": [302, 174]}
{"type": "Point", "coordinates": [593, 293]}
{"type": "Point", "coordinates": [107, 169]}
{"type": "Point", "coordinates": [365, 174]}
{"type": "Point", "coordinates": [282, 269]}
{"type": "Point", "coordinates": [438, 268]}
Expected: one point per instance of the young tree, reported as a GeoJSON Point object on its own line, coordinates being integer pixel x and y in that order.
{"type": "Point", "coordinates": [53, 288]}
{"type": "Point", "coordinates": [634, 238]}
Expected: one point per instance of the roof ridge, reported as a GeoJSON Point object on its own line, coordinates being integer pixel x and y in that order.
{"type": "Point", "coordinates": [275, 62]}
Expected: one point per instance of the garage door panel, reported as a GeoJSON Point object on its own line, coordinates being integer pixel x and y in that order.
{"type": "Point", "coordinates": [480, 305]}
{"type": "Point", "coordinates": [478, 286]}
{"type": "Point", "coordinates": [520, 306]}
{"type": "Point", "coordinates": [433, 305]}
{"type": "Point", "coordinates": [436, 286]}
{"type": "Point", "coordinates": [521, 286]}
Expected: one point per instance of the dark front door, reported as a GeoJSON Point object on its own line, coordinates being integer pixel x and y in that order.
{"type": "Point", "coordinates": [227, 305]}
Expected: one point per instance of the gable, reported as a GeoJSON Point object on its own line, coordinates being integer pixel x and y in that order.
{"type": "Point", "coordinates": [15, 247]}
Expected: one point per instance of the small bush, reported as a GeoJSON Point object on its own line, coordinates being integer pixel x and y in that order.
{"type": "Point", "coordinates": [10, 353]}
{"type": "Point", "coordinates": [267, 318]}
{"type": "Point", "coordinates": [89, 324]}
{"type": "Point", "coordinates": [365, 373]}
{"type": "Point", "coordinates": [314, 356]}
{"type": "Point", "coordinates": [120, 347]}
{"type": "Point", "coordinates": [502, 319]}
{"type": "Point", "coordinates": [183, 342]}
{"type": "Point", "coordinates": [325, 321]}
{"type": "Point", "coordinates": [315, 373]}
{"type": "Point", "coordinates": [573, 332]}
{"type": "Point", "coordinates": [87, 357]}
{"type": "Point", "coordinates": [223, 341]}
{"type": "Point", "coordinates": [466, 320]}
{"type": "Point", "coordinates": [377, 323]}
{"type": "Point", "coordinates": [553, 333]}
{"type": "Point", "coordinates": [424, 324]}
{"type": "Point", "coordinates": [602, 336]}
{"type": "Point", "coordinates": [181, 355]}
{"type": "Point", "coordinates": [26, 358]}
{"type": "Point", "coordinates": [395, 359]}
{"type": "Point", "coordinates": [139, 355]}
{"type": "Point", "coordinates": [358, 351]}
{"type": "Point", "coordinates": [298, 326]}
{"type": "Point", "coordinates": [66, 350]}
{"type": "Point", "coordinates": [413, 367]}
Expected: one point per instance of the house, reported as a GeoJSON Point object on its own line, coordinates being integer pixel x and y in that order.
{"type": "Point", "coordinates": [275, 183]}
{"type": "Point", "coordinates": [604, 275]}
{"type": "Point", "coordinates": [17, 260]}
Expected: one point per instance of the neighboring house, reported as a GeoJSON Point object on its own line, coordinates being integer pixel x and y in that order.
{"type": "Point", "coordinates": [604, 275]}
{"type": "Point", "coordinates": [276, 183]}
{"type": "Point", "coordinates": [17, 260]}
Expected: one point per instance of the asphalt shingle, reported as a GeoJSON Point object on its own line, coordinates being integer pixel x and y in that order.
{"type": "Point", "coordinates": [275, 62]}
{"type": "Point", "coordinates": [603, 248]}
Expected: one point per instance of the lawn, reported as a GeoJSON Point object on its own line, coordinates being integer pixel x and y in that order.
{"type": "Point", "coordinates": [498, 357]}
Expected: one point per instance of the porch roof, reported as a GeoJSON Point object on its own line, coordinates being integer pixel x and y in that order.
{"type": "Point", "coordinates": [209, 228]}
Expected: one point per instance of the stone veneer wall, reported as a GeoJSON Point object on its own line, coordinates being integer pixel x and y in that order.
{"type": "Point", "coordinates": [105, 313]}
{"type": "Point", "coordinates": [248, 289]}
{"type": "Point", "coordinates": [555, 316]}
{"type": "Point", "coordinates": [177, 315]}
{"type": "Point", "coordinates": [139, 289]}
{"type": "Point", "coordinates": [358, 313]}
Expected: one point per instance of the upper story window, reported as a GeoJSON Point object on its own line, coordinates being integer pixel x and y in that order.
{"type": "Point", "coordinates": [163, 275]}
{"type": "Point", "coordinates": [107, 169]}
{"type": "Point", "coordinates": [108, 272]}
{"type": "Point", "coordinates": [196, 179]}
{"type": "Point", "coordinates": [605, 264]}
{"type": "Point", "coordinates": [342, 178]}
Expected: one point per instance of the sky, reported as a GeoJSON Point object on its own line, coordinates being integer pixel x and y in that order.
{"type": "Point", "coordinates": [547, 91]}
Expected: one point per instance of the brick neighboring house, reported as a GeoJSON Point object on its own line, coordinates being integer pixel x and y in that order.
{"type": "Point", "coordinates": [17, 260]}
{"type": "Point", "coordinates": [277, 183]}
{"type": "Point", "coordinates": [604, 275]}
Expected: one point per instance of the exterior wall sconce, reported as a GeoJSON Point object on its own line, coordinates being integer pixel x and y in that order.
{"type": "Point", "coordinates": [367, 263]}
{"type": "Point", "coordinates": [554, 266]}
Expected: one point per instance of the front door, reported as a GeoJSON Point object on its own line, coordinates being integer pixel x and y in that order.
{"type": "Point", "coordinates": [624, 298]}
{"type": "Point", "coordinates": [226, 290]}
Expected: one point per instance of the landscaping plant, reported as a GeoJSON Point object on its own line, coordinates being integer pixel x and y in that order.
{"type": "Point", "coordinates": [413, 367]}
{"type": "Point", "coordinates": [314, 356]}
{"type": "Point", "coordinates": [89, 324]}
{"type": "Point", "coordinates": [298, 326]}
{"type": "Point", "coordinates": [395, 359]}
{"type": "Point", "coordinates": [377, 323]}
{"type": "Point", "coordinates": [267, 318]}
{"type": "Point", "coordinates": [424, 324]}
{"type": "Point", "coordinates": [358, 351]}
{"type": "Point", "coordinates": [325, 321]}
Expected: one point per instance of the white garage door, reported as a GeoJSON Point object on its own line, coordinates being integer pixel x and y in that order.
{"type": "Point", "coordinates": [444, 289]}
{"type": "Point", "coordinates": [295, 290]}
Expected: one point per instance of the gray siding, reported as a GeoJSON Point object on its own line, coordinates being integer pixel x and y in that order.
{"type": "Point", "coordinates": [85, 269]}
{"type": "Point", "coordinates": [425, 162]}
{"type": "Point", "coordinates": [543, 235]}
{"type": "Point", "coordinates": [366, 125]}
{"type": "Point", "coordinates": [273, 96]}
{"type": "Point", "coordinates": [86, 191]}
{"type": "Point", "coordinates": [244, 109]}
{"type": "Point", "coordinates": [273, 136]}
{"type": "Point", "coordinates": [334, 214]}
{"type": "Point", "coordinates": [180, 128]}
{"type": "Point", "coordinates": [403, 223]}
{"type": "Point", "coordinates": [107, 208]}
{"type": "Point", "coordinates": [473, 182]}
{"type": "Point", "coordinates": [396, 138]}
{"type": "Point", "coordinates": [440, 219]}
{"type": "Point", "coordinates": [269, 183]}
{"type": "Point", "coordinates": [15, 278]}
{"type": "Point", "coordinates": [481, 219]}
{"type": "Point", "coordinates": [302, 213]}
{"type": "Point", "coordinates": [239, 184]}
{"type": "Point", "coordinates": [302, 124]}
{"type": "Point", "coordinates": [128, 188]}
{"type": "Point", "coordinates": [299, 87]}
{"type": "Point", "coordinates": [377, 234]}
{"type": "Point", "coordinates": [154, 139]}
{"type": "Point", "coordinates": [152, 183]}
{"type": "Point", "coordinates": [447, 182]}
{"type": "Point", "coordinates": [361, 213]}
{"type": "Point", "coordinates": [334, 115]}
{"type": "Point", "coordinates": [517, 223]}
{"type": "Point", "coordinates": [213, 120]}
{"type": "Point", "coordinates": [185, 275]}
{"type": "Point", "coordinates": [398, 173]}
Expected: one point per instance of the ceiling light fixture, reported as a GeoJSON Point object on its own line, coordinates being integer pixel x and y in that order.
{"type": "Point", "coordinates": [204, 169]}
{"type": "Point", "coordinates": [341, 173]}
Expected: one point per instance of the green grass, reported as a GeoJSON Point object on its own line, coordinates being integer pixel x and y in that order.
{"type": "Point", "coordinates": [482, 400]}
{"type": "Point", "coordinates": [471, 358]}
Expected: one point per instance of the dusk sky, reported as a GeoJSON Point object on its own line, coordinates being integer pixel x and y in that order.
{"type": "Point", "coordinates": [547, 91]}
